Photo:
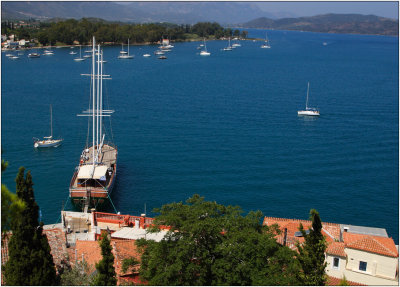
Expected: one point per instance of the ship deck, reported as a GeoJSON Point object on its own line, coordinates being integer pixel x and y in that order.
{"type": "Point", "coordinates": [108, 155]}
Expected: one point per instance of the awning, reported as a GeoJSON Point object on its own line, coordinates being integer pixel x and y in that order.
{"type": "Point", "coordinates": [85, 172]}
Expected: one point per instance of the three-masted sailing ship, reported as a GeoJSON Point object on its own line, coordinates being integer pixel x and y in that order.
{"type": "Point", "coordinates": [94, 177]}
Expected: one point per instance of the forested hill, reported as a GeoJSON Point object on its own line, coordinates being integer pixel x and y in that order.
{"type": "Point", "coordinates": [331, 23]}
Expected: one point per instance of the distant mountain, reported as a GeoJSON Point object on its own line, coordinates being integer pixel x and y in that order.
{"type": "Point", "coordinates": [139, 12]}
{"type": "Point", "coordinates": [331, 23]}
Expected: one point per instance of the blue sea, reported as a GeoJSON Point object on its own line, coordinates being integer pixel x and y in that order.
{"type": "Point", "coordinates": [223, 126]}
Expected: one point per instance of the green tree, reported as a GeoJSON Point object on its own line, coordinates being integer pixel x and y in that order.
{"type": "Point", "coordinates": [78, 275]}
{"type": "Point", "coordinates": [311, 255]}
{"type": "Point", "coordinates": [10, 204]}
{"type": "Point", "coordinates": [106, 273]}
{"type": "Point", "coordinates": [244, 34]}
{"type": "Point", "coordinates": [30, 261]}
{"type": "Point", "coordinates": [213, 244]}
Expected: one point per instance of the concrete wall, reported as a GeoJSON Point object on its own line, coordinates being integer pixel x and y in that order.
{"type": "Point", "coordinates": [381, 270]}
{"type": "Point", "coordinates": [332, 271]}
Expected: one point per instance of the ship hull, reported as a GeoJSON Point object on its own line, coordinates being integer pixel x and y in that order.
{"type": "Point", "coordinates": [90, 191]}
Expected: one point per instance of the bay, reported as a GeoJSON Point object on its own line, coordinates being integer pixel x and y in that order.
{"type": "Point", "coordinates": [223, 126]}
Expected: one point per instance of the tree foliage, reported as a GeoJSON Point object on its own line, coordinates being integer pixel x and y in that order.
{"type": "Point", "coordinates": [30, 261]}
{"type": "Point", "coordinates": [106, 273]}
{"type": "Point", "coordinates": [10, 204]}
{"type": "Point", "coordinates": [213, 244]}
{"type": "Point", "coordinates": [78, 275]}
{"type": "Point", "coordinates": [73, 30]}
{"type": "Point", "coordinates": [311, 254]}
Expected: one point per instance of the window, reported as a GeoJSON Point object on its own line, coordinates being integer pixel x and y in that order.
{"type": "Point", "coordinates": [363, 266]}
{"type": "Point", "coordinates": [335, 263]}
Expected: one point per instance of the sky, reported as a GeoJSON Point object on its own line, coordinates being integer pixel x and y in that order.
{"type": "Point", "coordinates": [389, 9]}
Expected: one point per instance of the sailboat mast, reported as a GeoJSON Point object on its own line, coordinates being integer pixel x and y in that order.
{"type": "Point", "coordinates": [308, 88]}
{"type": "Point", "coordinates": [101, 93]}
{"type": "Point", "coordinates": [94, 99]}
{"type": "Point", "coordinates": [128, 46]}
{"type": "Point", "coordinates": [98, 97]}
{"type": "Point", "coordinates": [51, 122]}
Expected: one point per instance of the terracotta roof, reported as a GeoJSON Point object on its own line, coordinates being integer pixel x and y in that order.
{"type": "Point", "coordinates": [57, 242]}
{"type": "Point", "coordinates": [124, 249]}
{"type": "Point", "coordinates": [56, 239]}
{"type": "Point", "coordinates": [336, 248]}
{"type": "Point", "coordinates": [90, 250]}
{"type": "Point", "coordinates": [333, 281]}
{"type": "Point", "coordinates": [331, 231]}
{"type": "Point", "coordinates": [374, 244]}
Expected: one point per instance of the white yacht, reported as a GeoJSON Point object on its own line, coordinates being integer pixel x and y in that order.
{"type": "Point", "coordinates": [308, 111]}
{"type": "Point", "coordinates": [48, 141]}
{"type": "Point", "coordinates": [125, 55]}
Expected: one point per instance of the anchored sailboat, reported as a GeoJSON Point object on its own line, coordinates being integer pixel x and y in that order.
{"type": "Point", "coordinates": [94, 177]}
{"type": "Point", "coordinates": [266, 45]}
{"type": "Point", "coordinates": [205, 52]}
{"type": "Point", "coordinates": [48, 141]}
{"type": "Point", "coordinates": [308, 111]}
{"type": "Point", "coordinates": [125, 55]}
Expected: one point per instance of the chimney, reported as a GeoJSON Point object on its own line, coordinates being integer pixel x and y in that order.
{"type": "Point", "coordinates": [284, 237]}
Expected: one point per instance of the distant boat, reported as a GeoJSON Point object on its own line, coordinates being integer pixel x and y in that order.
{"type": "Point", "coordinates": [204, 52]}
{"type": "Point", "coordinates": [308, 111]}
{"type": "Point", "coordinates": [48, 52]}
{"type": "Point", "coordinates": [165, 45]}
{"type": "Point", "coordinates": [125, 55]}
{"type": "Point", "coordinates": [48, 141]}
{"type": "Point", "coordinates": [229, 48]}
{"type": "Point", "coordinates": [146, 55]}
{"type": "Point", "coordinates": [122, 51]}
{"type": "Point", "coordinates": [236, 44]}
{"type": "Point", "coordinates": [266, 45]}
{"type": "Point", "coordinates": [14, 57]}
{"type": "Point", "coordinates": [162, 57]}
{"type": "Point", "coordinates": [73, 52]}
{"type": "Point", "coordinates": [80, 59]}
{"type": "Point", "coordinates": [159, 52]}
{"type": "Point", "coordinates": [34, 55]}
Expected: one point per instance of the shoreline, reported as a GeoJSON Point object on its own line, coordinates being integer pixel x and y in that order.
{"type": "Point", "coordinates": [117, 44]}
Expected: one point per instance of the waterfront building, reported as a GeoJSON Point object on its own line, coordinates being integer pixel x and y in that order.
{"type": "Point", "coordinates": [363, 255]}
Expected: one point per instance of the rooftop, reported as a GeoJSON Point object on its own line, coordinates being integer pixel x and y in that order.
{"type": "Point", "coordinates": [364, 230]}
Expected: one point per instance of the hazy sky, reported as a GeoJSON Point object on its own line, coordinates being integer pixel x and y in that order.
{"type": "Point", "coordinates": [299, 8]}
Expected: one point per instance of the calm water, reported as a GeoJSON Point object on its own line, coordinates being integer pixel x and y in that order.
{"type": "Point", "coordinates": [223, 126]}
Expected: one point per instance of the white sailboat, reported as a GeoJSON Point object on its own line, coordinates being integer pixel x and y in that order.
{"type": "Point", "coordinates": [125, 55]}
{"type": "Point", "coordinates": [48, 52]}
{"type": "Point", "coordinates": [34, 55]}
{"type": "Point", "coordinates": [48, 141]}
{"type": "Point", "coordinates": [72, 51]}
{"type": "Point", "coordinates": [266, 45]}
{"type": "Point", "coordinates": [94, 177]}
{"type": "Point", "coordinates": [205, 52]}
{"type": "Point", "coordinates": [229, 48]}
{"type": "Point", "coordinates": [308, 111]}
{"type": "Point", "coordinates": [80, 59]}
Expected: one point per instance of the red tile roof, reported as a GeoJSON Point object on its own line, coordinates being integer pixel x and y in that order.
{"type": "Point", "coordinates": [333, 281]}
{"type": "Point", "coordinates": [57, 242]}
{"type": "Point", "coordinates": [374, 244]}
{"type": "Point", "coordinates": [125, 249]}
{"type": "Point", "coordinates": [330, 230]}
{"type": "Point", "coordinates": [89, 251]}
{"type": "Point", "coordinates": [336, 248]}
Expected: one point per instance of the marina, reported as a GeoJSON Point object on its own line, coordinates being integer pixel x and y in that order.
{"type": "Point", "coordinates": [225, 126]}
